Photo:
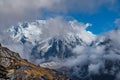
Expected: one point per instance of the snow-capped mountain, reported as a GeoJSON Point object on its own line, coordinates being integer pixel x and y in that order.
{"type": "Point", "coordinates": [66, 46]}
{"type": "Point", "coordinates": [52, 38]}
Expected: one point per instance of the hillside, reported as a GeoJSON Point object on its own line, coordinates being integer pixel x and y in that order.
{"type": "Point", "coordinates": [12, 66]}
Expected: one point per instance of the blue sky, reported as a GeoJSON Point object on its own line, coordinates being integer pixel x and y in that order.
{"type": "Point", "coordinates": [104, 15]}
{"type": "Point", "coordinates": [102, 19]}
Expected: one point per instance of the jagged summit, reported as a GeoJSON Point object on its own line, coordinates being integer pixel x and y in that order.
{"type": "Point", "coordinates": [52, 38]}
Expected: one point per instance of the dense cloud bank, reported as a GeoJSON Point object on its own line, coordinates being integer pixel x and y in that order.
{"type": "Point", "coordinates": [101, 58]}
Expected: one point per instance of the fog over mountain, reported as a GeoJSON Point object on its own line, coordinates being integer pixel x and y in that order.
{"type": "Point", "coordinates": [68, 44]}
{"type": "Point", "coordinates": [43, 33]}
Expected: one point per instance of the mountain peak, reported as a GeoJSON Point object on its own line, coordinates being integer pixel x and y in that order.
{"type": "Point", "coordinates": [42, 29]}
{"type": "Point", "coordinates": [52, 37]}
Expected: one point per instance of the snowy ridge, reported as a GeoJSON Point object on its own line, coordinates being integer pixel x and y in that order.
{"type": "Point", "coordinates": [43, 29]}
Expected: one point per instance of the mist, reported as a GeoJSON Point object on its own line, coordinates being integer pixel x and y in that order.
{"type": "Point", "coordinates": [105, 49]}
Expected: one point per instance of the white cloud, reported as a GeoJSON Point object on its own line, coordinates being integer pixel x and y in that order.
{"type": "Point", "coordinates": [44, 29]}
{"type": "Point", "coordinates": [95, 68]}
{"type": "Point", "coordinates": [117, 22]}
{"type": "Point", "coordinates": [22, 6]}
{"type": "Point", "coordinates": [13, 11]}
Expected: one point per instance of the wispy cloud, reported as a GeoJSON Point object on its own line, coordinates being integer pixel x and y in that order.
{"type": "Point", "coordinates": [13, 11]}
{"type": "Point", "coordinates": [87, 6]}
{"type": "Point", "coordinates": [117, 22]}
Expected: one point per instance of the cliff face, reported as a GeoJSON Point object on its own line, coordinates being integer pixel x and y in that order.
{"type": "Point", "coordinates": [13, 67]}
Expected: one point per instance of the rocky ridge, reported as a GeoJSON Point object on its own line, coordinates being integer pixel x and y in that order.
{"type": "Point", "coordinates": [13, 67]}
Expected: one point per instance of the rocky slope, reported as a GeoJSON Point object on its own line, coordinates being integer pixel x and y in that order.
{"type": "Point", "coordinates": [13, 67]}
